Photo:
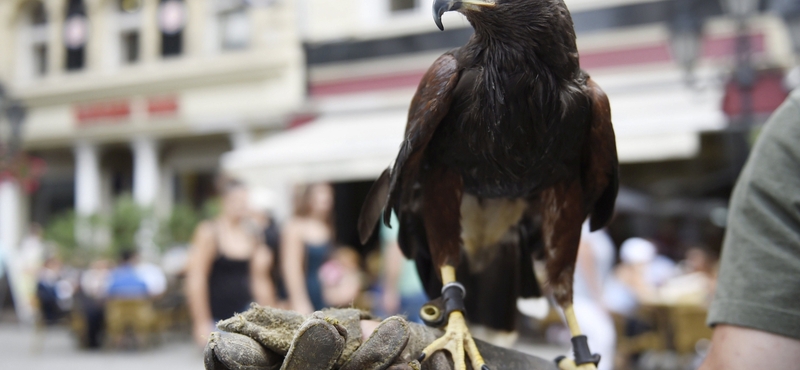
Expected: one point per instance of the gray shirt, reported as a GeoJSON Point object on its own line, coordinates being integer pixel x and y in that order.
{"type": "Point", "coordinates": [759, 278]}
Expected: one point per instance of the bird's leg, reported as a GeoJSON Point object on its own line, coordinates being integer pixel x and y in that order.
{"type": "Point", "coordinates": [457, 340]}
{"type": "Point", "coordinates": [562, 216]}
{"type": "Point", "coordinates": [584, 359]}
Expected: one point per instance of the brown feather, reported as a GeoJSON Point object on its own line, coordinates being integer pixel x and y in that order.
{"type": "Point", "coordinates": [562, 217]}
{"type": "Point", "coordinates": [430, 104]}
{"type": "Point", "coordinates": [373, 206]}
{"type": "Point", "coordinates": [601, 182]}
{"type": "Point", "coordinates": [441, 191]}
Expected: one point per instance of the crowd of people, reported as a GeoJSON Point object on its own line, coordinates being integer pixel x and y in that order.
{"type": "Point", "coordinates": [234, 261]}
{"type": "Point", "coordinates": [242, 256]}
{"type": "Point", "coordinates": [236, 258]}
{"type": "Point", "coordinates": [61, 292]}
{"type": "Point", "coordinates": [610, 288]}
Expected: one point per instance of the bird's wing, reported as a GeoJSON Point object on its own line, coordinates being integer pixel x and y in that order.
{"type": "Point", "coordinates": [601, 177]}
{"type": "Point", "coordinates": [429, 106]}
{"type": "Point", "coordinates": [372, 208]}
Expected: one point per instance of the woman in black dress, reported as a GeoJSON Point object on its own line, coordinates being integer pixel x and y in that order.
{"type": "Point", "coordinates": [229, 264]}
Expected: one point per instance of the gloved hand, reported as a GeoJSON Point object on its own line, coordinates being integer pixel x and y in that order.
{"type": "Point", "coordinates": [266, 338]}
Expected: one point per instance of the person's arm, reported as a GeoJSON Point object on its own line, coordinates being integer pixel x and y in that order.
{"type": "Point", "coordinates": [262, 288]}
{"type": "Point", "coordinates": [757, 285]}
{"type": "Point", "coordinates": [393, 265]}
{"type": "Point", "coordinates": [739, 348]}
{"type": "Point", "coordinates": [198, 268]}
{"type": "Point", "coordinates": [293, 255]}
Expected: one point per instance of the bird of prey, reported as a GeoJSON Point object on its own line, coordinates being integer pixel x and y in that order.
{"type": "Point", "coordinates": [506, 136]}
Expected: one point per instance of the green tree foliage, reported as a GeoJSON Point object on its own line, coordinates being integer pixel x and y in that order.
{"type": "Point", "coordinates": [184, 218]}
{"type": "Point", "coordinates": [212, 208]}
{"type": "Point", "coordinates": [181, 224]}
{"type": "Point", "coordinates": [61, 232]}
{"type": "Point", "coordinates": [122, 225]}
{"type": "Point", "coordinates": [126, 218]}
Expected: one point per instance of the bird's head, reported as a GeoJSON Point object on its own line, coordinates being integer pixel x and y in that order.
{"type": "Point", "coordinates": [443, 6]}
{"type": "Point", "coordinates": [500, 13]}
{"type": "Point", "coordinates": [541, 25]}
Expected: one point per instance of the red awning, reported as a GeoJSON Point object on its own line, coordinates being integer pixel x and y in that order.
{"type": "Point", "coordinates": [768, 94]}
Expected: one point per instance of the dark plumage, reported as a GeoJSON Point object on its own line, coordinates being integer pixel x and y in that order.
{"type": "Point", "coordinates": [509, 147]}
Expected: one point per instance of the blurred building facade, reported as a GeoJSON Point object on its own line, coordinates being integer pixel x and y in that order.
{"type": "Point", "coordinates": [143, 96]}
{"type": "Point", "coordinates": [667, 67]}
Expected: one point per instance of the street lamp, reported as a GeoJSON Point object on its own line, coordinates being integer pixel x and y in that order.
{"type": "Point", "coordinates": [15, 113]}
{"type": "Point", "coordinates": [16, 116]}
{"type": "Point", "coordinates": [740, 8]}
{"type": "Point", "coordinates": [686, 38]}
{"type": "Point", "coordinates": [744, 74]}
{"type": "Point", "coordinates": [745, 79]}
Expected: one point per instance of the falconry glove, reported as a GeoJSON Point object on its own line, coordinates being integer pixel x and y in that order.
{"type": "Point", "coordinates": [264, 338]}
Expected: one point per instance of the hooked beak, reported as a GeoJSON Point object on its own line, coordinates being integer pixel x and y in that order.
{"type": "Point", "coordinates": [443, 6]}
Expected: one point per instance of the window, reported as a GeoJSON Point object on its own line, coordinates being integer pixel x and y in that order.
{"type": "Point", "coordinates": [38, 38]}
{"type": "Point", "coordinates": [401, 5]}
{"type": "Point", "coordinates": [235, 28]}
{"type": "Point", "coordinates": [171, 20]}
{"type": "Point", "coordinates": [171, 44]}
{"type": "Point", "coordinates": [130, 47]}
{"type": "Point", "coordinates": [38, 14]}
{"type": "Point", "coordinates": [40, 59]}
{"type": "Point", "coordinates": [130, 6]}
{"type": "Point", "coordinates": [128, 25]}
{"type": "Point", "coordinates": [76, 34]}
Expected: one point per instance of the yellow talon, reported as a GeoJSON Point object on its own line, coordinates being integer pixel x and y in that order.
{"type": "Point", "coordinates": [457, 340]}
{"type": "Point", "coordinates": [572, 323]}
{"type": "Point", "coordinates": [569, 364]}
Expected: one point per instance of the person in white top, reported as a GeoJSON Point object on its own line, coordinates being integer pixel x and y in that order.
{"type": "Point", "coordinates": [596, 256]}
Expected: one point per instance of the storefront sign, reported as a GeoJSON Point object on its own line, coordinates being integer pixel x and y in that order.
{"type": "Point", "coordinates": [108, 112]}
{"type": "Point", "coordinates": [161, 106]}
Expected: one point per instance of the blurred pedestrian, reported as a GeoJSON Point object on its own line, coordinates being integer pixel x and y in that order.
{"type": "Point", "coordinates": [153, 276]}
{"type": "Point", "coordinates": [634, 282]}
{"type": "Point", "coordinates": [638, 276]}
{"type": "Point", "coordinates": [341, 278]}
{"type": "Point", "coordinates": [229, 264]}
{"type": "Point", "coordinates": [306, 243]}
{"type": "Point", "coordinates": [4, 283]}
{"type": "Point", "coordinates": [694, 284]}
{"type": "Point", "coordinates": [403, 292]}
{"type": "Point", "coordinates": [124, 281]}
{"type": "Point", "coordinates": [272, 236]}
{"type": "Point", "coordinates": [30, 259]}
{"type": "Point", "coordinates": [596, 255]}
{"type": "Point", "coordinates": [50, 291]}
{"type": "Point", "coordinates": [94, 284]}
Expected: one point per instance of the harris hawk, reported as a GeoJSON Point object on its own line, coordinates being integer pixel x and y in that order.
{"type": "Point", "coordinates": [509, 145]}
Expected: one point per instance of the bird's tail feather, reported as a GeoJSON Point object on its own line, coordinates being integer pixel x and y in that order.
{"type": "Point", "coordinates": [492, 293]}
{"type": "Point", "coordinates": [373, 207]}
{"type": "Point", "coordinates": [603, 209]}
